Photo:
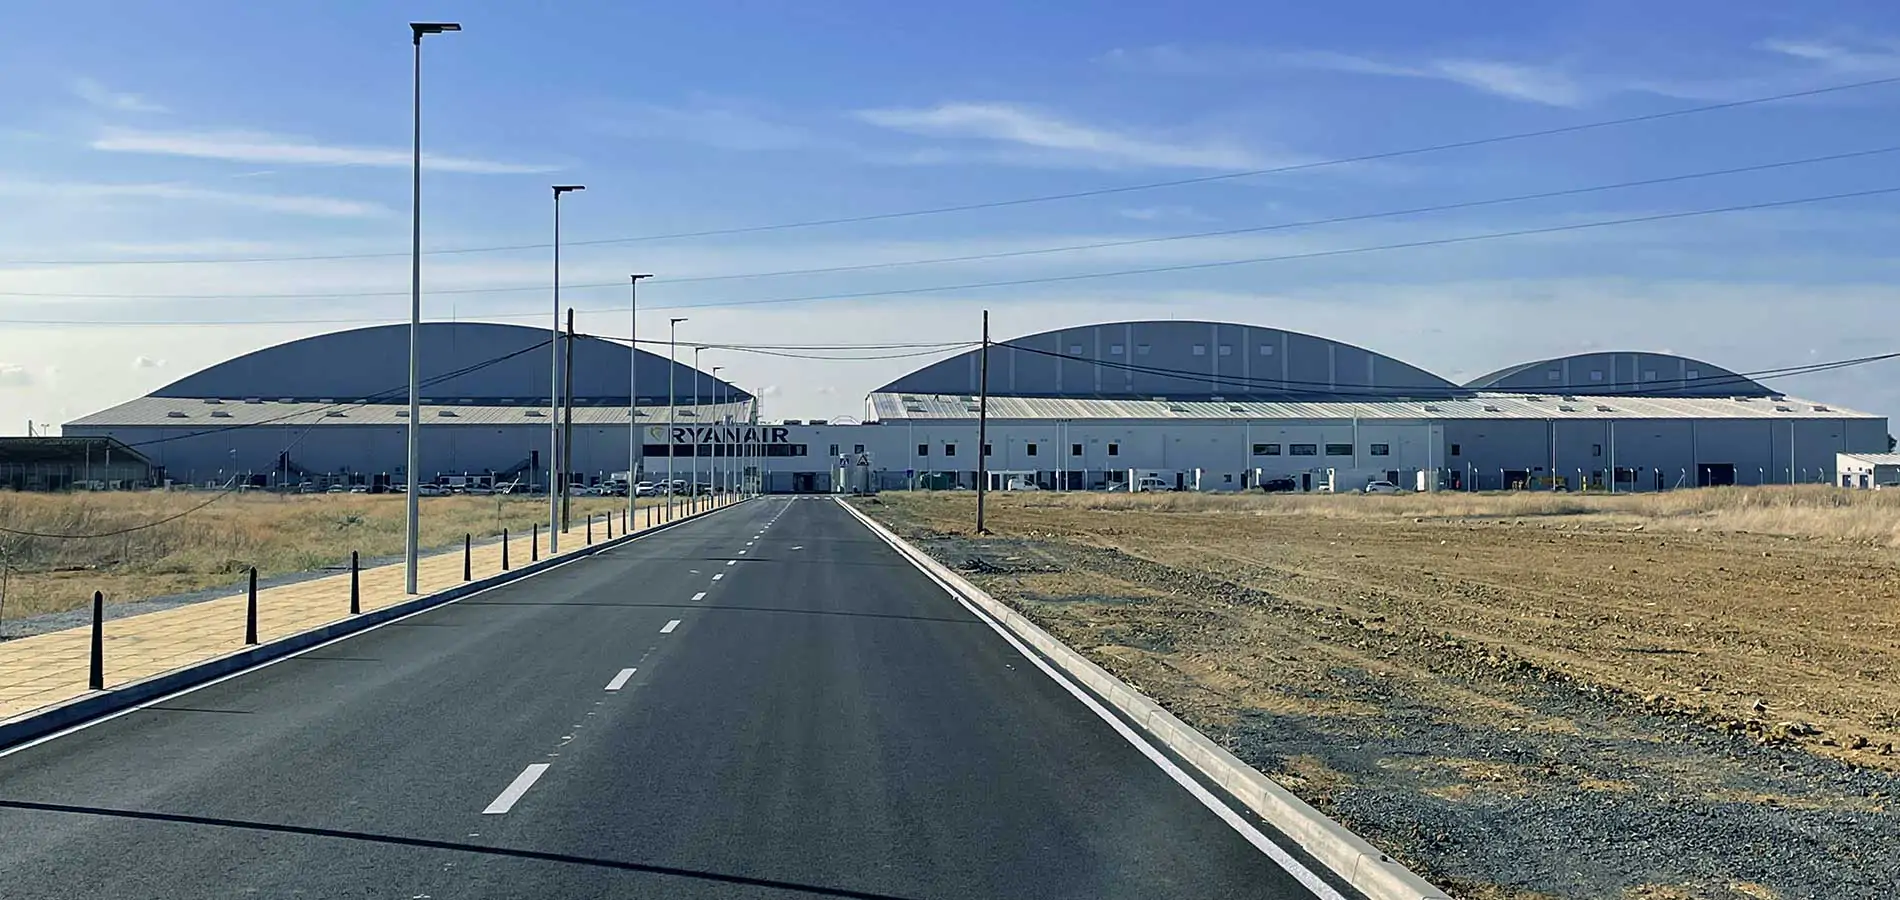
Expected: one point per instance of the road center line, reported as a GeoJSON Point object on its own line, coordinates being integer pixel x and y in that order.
{"type": "Point", "coordinates": [668, 628]}
{"type": "Point", "coordinates": [699, 596]}
{"type": "Point", "coordinates": [719, 576]}
{"type": "Point", "coordinates": [620, 680]}
{"type": "Point", "coordinates": [741, 552]}
{"type": "Point", "coordinates": [731, 561]}
{"type": "Point", "coordinates": [518, 787]}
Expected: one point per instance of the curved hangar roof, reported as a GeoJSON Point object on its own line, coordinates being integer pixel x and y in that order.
{"type": "Point", "coordinates": [374, 362]}
{"type": "Point", "coordinates": [1145, 359]}
{"type": "Point", "coordinates": [1608, 374]}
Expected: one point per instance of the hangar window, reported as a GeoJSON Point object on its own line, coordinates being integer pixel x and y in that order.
{"type": "Point", "coordinates": [1553, 375]}
{"type": "Point", "coordinates": [1694, 373]}
{"type": "Point", "coordinates": [834, 449]}
{"type": "Point", "coordinates": [1380, 450]}
{"type": "Point", "coordinates": [1266, 449]}
{"type": "Point", "coordinates": [1141, 349]}
{"type": "Point", "coordinates": [1596, 374]}
{"type": "Point", "coordinates": [1114, 449]}
{"type": "Point", "coordinates": [1075, 449]}
{"type": "Point", "coordinates": [1266, 349]}
{"type": "Point", "coordinates": [1075, 349]}
{"type": "Point", "coordinates": [1596, 449]}
{"type": "Point", "coordinates": [1227, 349]}
{"type": "Point", "coordinates": [949, 449]}
{"type": "Point", "coordinates": [1200, 349]}
{"type": "Point", "coordinates": [1114, 349]}
{"type": "Point", "coordinates": [1338, 449]}
{"type": "Point", "coordinates": [989, 450]}
{"type": "Point", "coordinates": [923, 449]}
{"type": "Point", "coordinates": [1454, 449]}
{"type": "Point", "coordinates": [1649, 374]}
{"type": "Point", "coordinates": [857, 448]}
{"type": "Point", "coordinates": [1303, 450]}
{"type": "Point", "coordinates": [1030, 449]}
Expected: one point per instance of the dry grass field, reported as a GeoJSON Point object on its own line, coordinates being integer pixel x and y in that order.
{"type": "Point", "coordinates": [210, 547]}
{"type": "Point", "coordinates": [1691, 694]}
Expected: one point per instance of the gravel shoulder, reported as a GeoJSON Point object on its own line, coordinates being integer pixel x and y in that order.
{"type": "Point", "coordinates": [1553, 709]}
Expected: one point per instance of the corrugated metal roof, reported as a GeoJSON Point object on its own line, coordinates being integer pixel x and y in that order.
{"type": "Point", "coordinates": [1877, 459]}
{"type": "Point", "coordinates": [186, 412]}
{"type": "Point", "coordinates": [1481, 405]}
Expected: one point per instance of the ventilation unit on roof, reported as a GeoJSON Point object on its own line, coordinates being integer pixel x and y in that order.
{"type": "Point", "coordinates": [402, 414]}
{"type": "Point", "coordinates": [690, 412]}
{"type": "Point", "coordinates": [213, 401]}
{"type": "Point", "coordinates": [254, 400]}
{"type": "Point", "coordinates": [1739, 399]}
{"type": "Point", "coordinates": [537, 413]}
{"type": "Point", "coordinates": [1820, 408]}
{"type": "Point", "coordinates": [220, 414]}
{"type": "Point", "coordinates": [1602, 408]}
{"type": "Point", "coordinates": [1782, 407]}
{"type": "Point", "coordinates": [1565, 407]}
{"type": "Point", "coordinates": [1238, 409]}
{"type": "Point", "coordinates": [1570, 398]}
{"type": "Point", "coordinates": [909, 399]}
{"type": "Point", "coordinates": [1535, 399]}
{"type": "Point", "coordinates": [334, 414]}
{"type": "Point", "coordinates": [1176, 408]}
{"type": "Point", "coordinates": [1431, 408]}
{"type": "Point", "coordinates": [448, 414]}
{"type": "Point", "coordinates": [174, 414]}
{"type": "Point", "coordinates": [1489, 407]}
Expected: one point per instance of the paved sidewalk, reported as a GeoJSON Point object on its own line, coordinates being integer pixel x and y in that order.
{"type": "Point", "coordinates": [51, 668]}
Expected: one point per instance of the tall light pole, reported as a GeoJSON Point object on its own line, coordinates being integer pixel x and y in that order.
{"type": "Point", "coordinates": [725, 462]}
{"type": "Point", "coordinates": [555, 463]}
{"type": "Point", "coordinates": [696, 417]}
{"type": "Point", "coordinates": [412, 505]}
{"type": "Point", "coordinates": [633, 393]}
{"type": "Point", "coordinates": [672, 398]}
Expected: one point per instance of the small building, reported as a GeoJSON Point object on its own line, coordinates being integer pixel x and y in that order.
{"type": "Point", "coordinates": [1868, 470]}
{"type": "Point", "coordinates": [64, 463]}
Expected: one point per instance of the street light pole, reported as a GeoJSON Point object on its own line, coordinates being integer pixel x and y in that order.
{"type": "Point", "coordinates": [696, 416]}
{"type": "Point", "coordinates": [724, 461]}
{"type": "Point", "coordinates": [633, 393]}
{"type": "Point", "coordinates": [556, 465]}
{"type": "Point", "coordinates": [412, 505]}
{"type": "Point", "coordinates": [672, 402]}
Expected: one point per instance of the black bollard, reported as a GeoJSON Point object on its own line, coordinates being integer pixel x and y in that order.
{"type": "Point", "coordinates": [97, 680]}
{"type": "Point", "coordinates": [468, 550]}
{"type": "Point", "coordinates": [356, 586]}
{"type": "Point", "coordinates": [534, 543]}
{"type": "Point", "coordinates": [504, 549]}
{"type": "Point", "coordinates": [250, 611]}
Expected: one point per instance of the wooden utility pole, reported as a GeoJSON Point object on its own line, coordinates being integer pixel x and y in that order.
{"type": "Point", "coordinates": [983, 424]}
{"type": "Point", "coordinates": [567, 426]}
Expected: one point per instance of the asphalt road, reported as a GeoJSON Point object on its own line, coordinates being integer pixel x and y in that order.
{"type": "Point", "coordinates": [806, 715]}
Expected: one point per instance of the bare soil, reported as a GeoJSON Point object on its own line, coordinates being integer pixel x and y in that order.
{"type": "Point", "coordinates": [1593, 701]}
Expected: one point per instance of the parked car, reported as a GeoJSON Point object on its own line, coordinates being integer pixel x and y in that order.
{"type": "Point", "coordinates": [1020, 483]}
{"type": "Point", "coordinates": [1279, 485]}
{"type": "Point", "coordinates": [1381, 487]}
{"type": "Point", "coordinates": [646, 489]}
{"type": "Point", "coordinates": [429, 490]}
{"type": "Point", "coordinates": [359, 489]}
{"type": "Point", "coordinates": [334, 489]}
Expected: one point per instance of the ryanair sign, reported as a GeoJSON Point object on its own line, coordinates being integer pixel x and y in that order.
{"type": "Point", "coordinates": [722, 434]}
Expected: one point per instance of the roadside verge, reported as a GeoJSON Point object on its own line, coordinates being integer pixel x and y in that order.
{"type": "Point", "coordinates": [1350, 857]}
{"type": "Point", "coordinates": [41, 723]}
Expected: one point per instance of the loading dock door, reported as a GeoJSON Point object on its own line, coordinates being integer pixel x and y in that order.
{"type": "Point", "coordinates": [804, 482]}
{"type": "Point", "coordinates": [1715, 474]}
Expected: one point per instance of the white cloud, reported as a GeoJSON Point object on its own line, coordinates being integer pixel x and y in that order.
{"type": "Point", "coordinates": [13, 376]}
{"type": "Point", "coordinates": [146, 362]}
{"type": "Point", "coordinates": [97, 94]}
{"type": "Point", "coordinates": [1878, 59]}
{"type": "Point", "coordinates": [1517, 81]}
{"type": "Point", "coordinates": [294, 204]}
{"type": "Point", "coordinates": [723, 126]}
{"type": "Point", "coordinates": [1055, 139]}
{"type": "Point", "coordinates": [258, 147]}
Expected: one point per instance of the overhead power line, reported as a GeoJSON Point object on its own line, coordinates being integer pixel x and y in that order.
{"type": "Point", "coordinates": [1084, 276]}
{"type": "Point", "coordinates": [1025, 201]}
{"type": "Point", "coordinates": [1012, 254]}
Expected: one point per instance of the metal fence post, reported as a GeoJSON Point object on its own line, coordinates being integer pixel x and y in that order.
{"type": "Point", "coordinates": [468, 550]}
{"type": "Point", "coordinates": [97, 680]}
{"type": "Point", "coordinates": [356, 585]}
{"type": "Point", "coordinates": [250, 611]}
{"type": "Point", "coordinates": [534, 542]}
{"type": "Point", "coordinates": [504, 549]}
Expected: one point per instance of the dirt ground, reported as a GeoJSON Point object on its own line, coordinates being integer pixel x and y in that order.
{"type": "Point", "coordinates": [1579, 704]}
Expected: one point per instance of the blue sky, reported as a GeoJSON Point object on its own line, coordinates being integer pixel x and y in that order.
{"type": "Point", "coordinates": [204, 130]}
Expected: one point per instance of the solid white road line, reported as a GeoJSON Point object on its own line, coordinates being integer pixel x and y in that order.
{"type": "Point", "coordinates": [668, 629]}
{"type": "Point", "coordinates": [699, 596]}
{"type": "Point", "coordinates": [520, 786]}
{"type": "Point", "coordinates": [719, 576]}
{"type": "Point", "coordinates": [620, 680]}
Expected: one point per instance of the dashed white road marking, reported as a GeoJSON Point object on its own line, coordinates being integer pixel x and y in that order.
{"type": "Point", "coordinates": [719, 576]}
{"type": "Point", "coordinates": [731, 562]}
{"type": "Point", "coordinates": [748, 543]}
{"type": "Point", "coordinates": [742, 553]}
{"type": "Point", "coordinates": [668, 629]}
{"type": "Point", "coordinates": [699, 596]}
{"type": "Point", "coordinates": [619, 681]}
{"type": "Point", "coordinates": [512, 794]}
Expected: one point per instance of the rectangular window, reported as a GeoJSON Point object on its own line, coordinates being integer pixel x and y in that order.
{"type": "Point", "coordinates": [1141, 349]}
{"type": "Point", "coordinates": [1338, 449]}
{"type": "Point", "coordinates": [1266, 349]}
{"type": "Point", "coordinates": [1649, 374]}
{"type": "Point", "coordinates": [989, 449]}
{"type": "Point", "coordinates": [1266, 449]}
{"type": "Point", "coordinates": [923, 449]}
{"type": "Point", "coordinates": [1692, 373]}
{"type": "Point", "coordinates": [1075, 349]}
{"type": "Point", "coordinates": [949, 449]}
{"type": "Point", "coordinates": [1029, 449]}
{"type": "Point", "coordinates": [1553, 375]}
{"type": "Point", "coordinates": [1114, 349]}
{"type": "Point", "coordinates": [1380, 450]}
{"type": "Point", "coordinates": [857, 448]}
{"type": "Point", "coordinates": [1596, 374]}
{"type": "Point", "coordinates": [1075, 449]}
{"type": "Point", "coordinates": [1114, 449]}
{"type": "Point", "coordinates": [834, 449]}
{"type": "Point", "coordinates": [1303, 450]}
{"type": "Point", "coordinates": [1227, 349]}
{"type": "Point", "coordinates": [1200, 349]}
{"type": "Point", "coordinates": [1454, 449]}
{"type": "Point", "coordinates": [1596, 449]}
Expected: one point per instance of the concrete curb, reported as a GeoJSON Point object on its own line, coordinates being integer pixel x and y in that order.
{"type": "Point", "coordinates": [41, 722]}
{"type": "Point", "coordinates": [1348, 855]}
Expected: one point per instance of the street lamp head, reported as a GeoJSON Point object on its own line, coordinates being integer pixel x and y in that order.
{"type": "Point", "coordinates": [676, 321]}
{"type": "Point", "coordinates": [560, 189]}
{"type": "Point", "coordinates": [418, 29]}
{"type": "Point", "coordinates": [638, 277]}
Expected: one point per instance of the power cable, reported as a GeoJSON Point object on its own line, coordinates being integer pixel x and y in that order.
{"type": "Point", "coordinates": [1015, 254]}
{"type": "Point", "coordinates": [1085, 276]}
{"type": "Point", "coordinates": [1044, 198]}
